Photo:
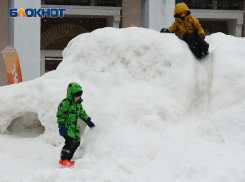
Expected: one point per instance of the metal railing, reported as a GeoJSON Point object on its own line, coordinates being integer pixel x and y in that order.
{"type": "Point", "coordinates": [110, 3]}
{"type": "Point", "coordinates": [214, 4]}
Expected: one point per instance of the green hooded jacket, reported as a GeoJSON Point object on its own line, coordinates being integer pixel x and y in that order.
{"type": "Point", "coordinates": [69, 111]}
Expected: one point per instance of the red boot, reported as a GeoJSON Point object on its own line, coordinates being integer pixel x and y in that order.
{"type": "Point", "coordinates": [68, 163]}
{"type": "Point", "coordinates": [61, 161]}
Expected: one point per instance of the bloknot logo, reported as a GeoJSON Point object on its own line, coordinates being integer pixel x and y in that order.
{"type": "Point", "coordinates": [33, 12]}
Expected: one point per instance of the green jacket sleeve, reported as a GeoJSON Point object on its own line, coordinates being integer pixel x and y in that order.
{"type": "Point", "coordinates": [62, 113]}
{"type": "Point", "coordinates": [83, 115]}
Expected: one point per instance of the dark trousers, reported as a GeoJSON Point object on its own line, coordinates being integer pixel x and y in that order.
{"type": "Point", "coordinates": [69, 148]}
{"type": "Point", "coordinates": [197, 46]}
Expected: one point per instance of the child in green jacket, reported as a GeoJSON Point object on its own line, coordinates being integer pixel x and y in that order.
{"type": "Point", "coordinates": [69, 110]}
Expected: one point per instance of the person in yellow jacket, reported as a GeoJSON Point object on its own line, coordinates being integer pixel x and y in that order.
{"type": "Point", "coordinates": [190, 29]}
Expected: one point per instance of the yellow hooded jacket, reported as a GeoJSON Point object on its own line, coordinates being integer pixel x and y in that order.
{"type": "Point", "coordinates": [187, 26]}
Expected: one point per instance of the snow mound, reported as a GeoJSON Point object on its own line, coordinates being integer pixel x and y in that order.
{"type": "Point", "coordinates": [128, 62]}
{"type": "Point", "coordinates": [160, 114]}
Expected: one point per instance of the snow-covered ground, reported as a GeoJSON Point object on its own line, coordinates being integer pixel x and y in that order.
{"type": "Point", "coordinates": [160, 114]}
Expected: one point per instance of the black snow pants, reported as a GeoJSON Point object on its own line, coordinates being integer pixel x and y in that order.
{"type": "Point", "coordinates": [69, 148]}
{"type": "Point", "coordinates": [198, 47]}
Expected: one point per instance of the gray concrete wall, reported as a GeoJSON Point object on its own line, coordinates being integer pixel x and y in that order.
{"type": "Point", "coordinates": [243, 25]}
{"type": "Point", "coordinates": [3, 39]}
{"type": "Point", "coordinates": [161, 14]}
{"type": "Point", "coordinates": [157, 14]}
{"type": "Point", "coordinates": [232, 27]}
{"type": "Point", "coordinates": [24, 35]}
{"type": "Point", "coordinates": [145, 13]}
{"type": "Point", "coordinates": [244, 21]}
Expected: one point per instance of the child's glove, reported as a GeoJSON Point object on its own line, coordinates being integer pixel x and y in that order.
{"type": "Point", "coordinates": [62, 129]}
{"type": "Point", "coordinates": [164, 30]}
{"type": "Point", "coordinates": [90, 123]}
{"type": "Point", "coordinates": [201, 37]}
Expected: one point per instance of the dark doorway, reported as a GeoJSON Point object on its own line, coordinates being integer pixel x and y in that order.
{"type": "Point", "coordinates": [57, 32]}
{"type": "Point", "coordinates": [51, 63]}
{"type": "Point", "coordinates": [213, 26]}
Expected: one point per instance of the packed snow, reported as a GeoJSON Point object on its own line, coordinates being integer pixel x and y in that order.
{"type": "Point", "coordinates": [160, 114]}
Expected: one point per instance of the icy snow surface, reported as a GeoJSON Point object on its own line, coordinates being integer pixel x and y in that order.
{"type": "Point", "coordinates": [160, 114]}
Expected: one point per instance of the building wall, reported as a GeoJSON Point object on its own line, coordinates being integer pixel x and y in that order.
{"type": "Point", "coordinates": [243, 26]}
{"type": "Point", "coordinates": [24, 35]}
{"type": "Point", "coordinates": [162, 14]}
{"type": "Point", "coordinates": [231, 25]}
{"type": "Point", "coordinates": [157, 14]}
{"type": "Point", "coordinates": [234, 18]}
{"type": "Point", "coordinates": [131, 13]}
{"type": "Point", "coordinates": [3, 39]}
{"type": "Point", "coordinates": [145, 14]}
{"type": "Point", "coordinates": [244, 21]}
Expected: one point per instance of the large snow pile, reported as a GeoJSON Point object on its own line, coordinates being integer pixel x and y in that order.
{"type": "Point", "coordinates": [160, 114]}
